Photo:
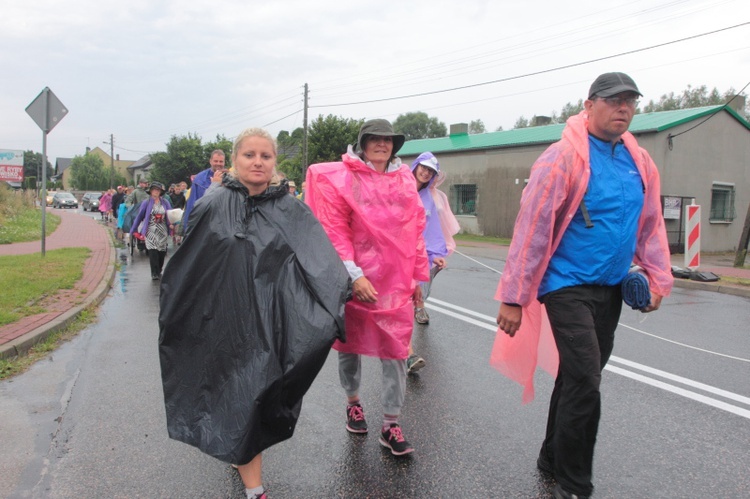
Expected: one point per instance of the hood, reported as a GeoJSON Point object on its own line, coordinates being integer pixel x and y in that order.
{"type": "Point", "coordinates": [439, 177]}
{"type": "Point", "coordinates": [272, 192]}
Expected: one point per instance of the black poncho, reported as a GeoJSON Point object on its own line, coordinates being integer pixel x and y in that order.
{"type": "Point", "coordinates": [250, 305]}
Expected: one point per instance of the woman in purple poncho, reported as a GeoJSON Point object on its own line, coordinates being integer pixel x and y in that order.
{"type": "Point", "coordinates": [438, 234]}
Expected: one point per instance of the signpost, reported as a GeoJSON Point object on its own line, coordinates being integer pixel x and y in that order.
{"type": "Point", "coordinates": [46, 111]}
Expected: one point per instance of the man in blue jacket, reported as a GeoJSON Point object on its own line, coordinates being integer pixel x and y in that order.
{"type": "Point", "coordinates": [202, 182]}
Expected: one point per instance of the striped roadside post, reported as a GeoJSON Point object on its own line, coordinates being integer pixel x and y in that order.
{"type": "Point", "coordinates": [693, 236]}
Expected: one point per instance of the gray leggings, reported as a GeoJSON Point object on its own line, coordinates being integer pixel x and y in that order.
{"type": "Point", "coordinates": [394, 380]}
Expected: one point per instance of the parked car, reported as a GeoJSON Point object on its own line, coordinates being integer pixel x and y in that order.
{"type": "Point", "coordinates": [90, 201]}
{"type": "Point", "coordinates": [64, 200]}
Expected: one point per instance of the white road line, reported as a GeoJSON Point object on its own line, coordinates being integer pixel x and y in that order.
{"type": "Point", "coordinates": [680, 379]}
{"type": "Point", "coordinates": [488, 324]}
{"type": "Point", "coordinates": [681, 391]}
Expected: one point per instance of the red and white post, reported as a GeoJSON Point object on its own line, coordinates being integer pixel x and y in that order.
{"type": "Point", "coordinates": [692, 236]}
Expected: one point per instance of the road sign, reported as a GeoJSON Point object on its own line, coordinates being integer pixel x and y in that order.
{"type": "Point", "coordinates": [46, 110]}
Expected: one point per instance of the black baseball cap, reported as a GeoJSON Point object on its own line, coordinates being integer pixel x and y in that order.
{"type": "Point", "coordinates": [610, 84]}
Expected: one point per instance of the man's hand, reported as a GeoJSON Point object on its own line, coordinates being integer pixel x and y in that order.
{"type": "Point", "coordinates": [218, 175]}
{"type": "Point", "coordinates": [440, 262]}
{"type": "Point", "coordinates": [509, 318]}
{"type": "Point", "coordinates": [654, 304]}
{"type": "Point", "coordinates": [363, 290]}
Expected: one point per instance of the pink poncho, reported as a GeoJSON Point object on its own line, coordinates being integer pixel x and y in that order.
{"type": "Point", "coordinates": [375, 220]}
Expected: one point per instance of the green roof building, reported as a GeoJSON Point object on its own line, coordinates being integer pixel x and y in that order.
{"type": "Point", "coordinates": [703, 154]}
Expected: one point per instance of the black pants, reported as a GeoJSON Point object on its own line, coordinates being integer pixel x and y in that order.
{"type": "Point", "coordinates": [156, 259]}
{"type": "Point", "coordinates": [583, 320]}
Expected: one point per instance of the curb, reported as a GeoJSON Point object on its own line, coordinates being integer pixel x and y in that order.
{"type": "Point", "coordinates": [716, 288]}
{"type": "Point", "coordinates": [22, 344]}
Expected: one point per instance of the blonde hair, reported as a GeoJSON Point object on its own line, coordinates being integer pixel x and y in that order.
{"type": "Point", "coordinates": [252, 132]}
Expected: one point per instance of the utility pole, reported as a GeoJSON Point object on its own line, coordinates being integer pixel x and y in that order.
{"type": "Point", "coordinates": [304, 138]}
{"type": "Point", "coordinates": [739, 258]}
{"type": "Point", "coordinates": [111, 158]}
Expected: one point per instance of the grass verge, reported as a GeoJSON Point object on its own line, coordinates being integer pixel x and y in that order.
{"type": "Point", "coordinates": [21, 220]}
{"type": "Point", "coordinates": [17, 365]}
{"type": "Point", "coordinates": [735, 280]}
{"type": "Point", "coordinates": [26, 280]}
{"type": "Point", "coordinates": [473, 238]}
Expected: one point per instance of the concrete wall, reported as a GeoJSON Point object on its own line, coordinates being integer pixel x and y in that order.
{"type": "Point", "coordinates": [499, 175]}
{"type": "Point", "coordinates": [718, 150]}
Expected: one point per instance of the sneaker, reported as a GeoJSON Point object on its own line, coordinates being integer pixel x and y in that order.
{"type": "Point", "coordinates": [420, 314]}
{"type": "Point", "coordinates": [355, 419]}
{"type": "Point", "coordinates": [414, 363]}
{"type": "Point", "coordinates": [559, 493]}
{"type": "Point", "coordinates": [394, 439]}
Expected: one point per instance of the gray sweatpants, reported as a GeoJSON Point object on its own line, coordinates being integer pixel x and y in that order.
{"type": "Point", "coordinates": [394, 380]}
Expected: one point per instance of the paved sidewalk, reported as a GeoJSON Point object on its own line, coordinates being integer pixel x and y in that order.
{"type": "Point", "coordinates": [75, 230]}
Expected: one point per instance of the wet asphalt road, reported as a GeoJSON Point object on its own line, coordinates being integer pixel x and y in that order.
{"type": "Point", "coordinates": [90, 422]}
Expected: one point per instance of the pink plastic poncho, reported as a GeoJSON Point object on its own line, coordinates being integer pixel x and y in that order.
{"type": "Point", "coordinates": [448, 222]}
{"type": "Point", "coordinates": [558, 182]}
{"type": "Point", "coordinates": [375, 220]}
{"type": "Point", "coordinates": [105, 202]}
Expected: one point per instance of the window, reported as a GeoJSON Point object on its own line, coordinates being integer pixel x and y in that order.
{"type": "Point", "coordinates": [464, 199]}
{"type": "Point", "coordinates": [722, 202]}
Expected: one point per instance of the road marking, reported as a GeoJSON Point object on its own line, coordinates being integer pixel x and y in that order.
{"type": "Point", "coordinates": [462, 314]}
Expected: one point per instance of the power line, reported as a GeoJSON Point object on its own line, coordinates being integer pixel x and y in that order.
{"type": "Point", "coordinates": [536, 73]}
{"type": "Point", "coordinates": [718, 110]}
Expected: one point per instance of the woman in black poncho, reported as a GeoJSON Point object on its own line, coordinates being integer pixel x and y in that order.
{"type": "Point", "coordinates": [250, 305]}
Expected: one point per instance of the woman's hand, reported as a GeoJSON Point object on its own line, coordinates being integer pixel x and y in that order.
{"type": "Point", "coordinates": [440, 262]}
{"type": "Point", "coordinates": [363, 290]}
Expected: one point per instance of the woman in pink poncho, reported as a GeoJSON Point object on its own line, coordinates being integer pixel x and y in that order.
{"type": "Point", "coordinates": [370, 209]}
{"type": "Point", "coordinates": [105, 205]}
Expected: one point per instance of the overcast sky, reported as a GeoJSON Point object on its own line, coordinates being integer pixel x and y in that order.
{"type": "Point", "coordinates": [144, 70]}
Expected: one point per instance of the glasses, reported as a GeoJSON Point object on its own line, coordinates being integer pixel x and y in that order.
{"type": "Point", "coordinates": [379, 138]}
{"type": "Point", "coordinates": [619, 101]}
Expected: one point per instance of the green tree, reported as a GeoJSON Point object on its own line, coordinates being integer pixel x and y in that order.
{"type": "Point", "coordinates": [499, 129]}
{"type": "Point", "coordinates": [289, 159]}
{"type": "Point", "coordinates": [88, 173]}
{"type": "Point", "coordinates": [185, 156]}
{"type": "Point", "coordinates": [521, 122]}
{"type": "Point", "coordinates": [692, 97]}
{"type": "Point", "coordinates": [328, 137]}
{"type": "Point", "coordinates": [32, 162]}
{"type": "Point", "coordinates": [567, 111]}
{"type": "Point", "coordinates": [477, 126]}
{"type": "Point", "coordinates": [418, 125]}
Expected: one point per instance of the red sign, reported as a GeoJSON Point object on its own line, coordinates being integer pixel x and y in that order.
{"type": "Point", "coordinates": [11, 165]}
{"type": "Point", "coordinates": [11, 173]}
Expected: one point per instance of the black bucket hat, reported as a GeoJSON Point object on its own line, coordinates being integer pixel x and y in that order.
{"type": "Point", "coordinates": [157, 185]}
{"type": "Point", "coordinates": [381, 128]}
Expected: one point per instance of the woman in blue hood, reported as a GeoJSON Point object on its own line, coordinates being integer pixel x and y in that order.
{"type": "Point", "coordinates": [438, 233]}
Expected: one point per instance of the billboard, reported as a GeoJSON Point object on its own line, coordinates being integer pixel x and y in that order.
{"type": "Point", "coordinates": [11, 165]}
